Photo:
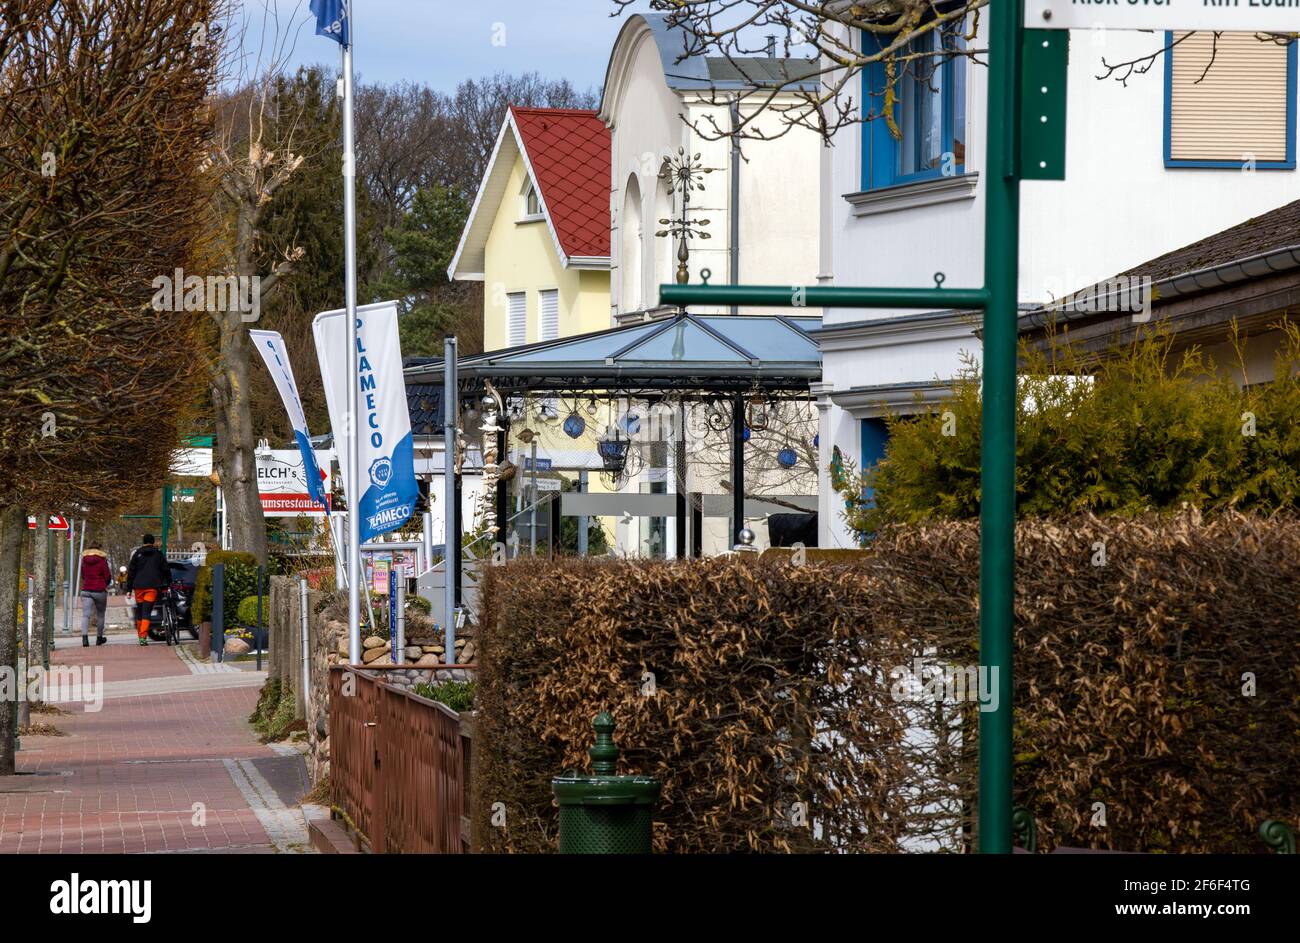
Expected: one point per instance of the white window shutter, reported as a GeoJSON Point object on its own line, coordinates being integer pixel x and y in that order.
{"type": "Point", "coordinates": [549, 326]}
{"type": "Point", "coordinates": [517, 318]}
{"type": "Point", "coordinates": [1236, 110]}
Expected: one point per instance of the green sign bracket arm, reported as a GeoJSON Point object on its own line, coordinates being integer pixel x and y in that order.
{"type": "Point", "coordinates": [823, 296]}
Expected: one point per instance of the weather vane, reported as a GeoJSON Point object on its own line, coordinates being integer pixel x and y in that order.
{"type": "Point", "coordinates": [683, 173]}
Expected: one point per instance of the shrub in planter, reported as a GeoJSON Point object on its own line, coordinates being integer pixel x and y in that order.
{"type": "Point", "coordinates": [246, 614]}
{"type": "Point", "coordinates": [241, 581]}
{"type": "Point", "coordinates": [458, 695]}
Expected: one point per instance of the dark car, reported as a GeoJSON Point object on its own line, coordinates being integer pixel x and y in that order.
{"type": "Point", "coordinates": [184, 576]}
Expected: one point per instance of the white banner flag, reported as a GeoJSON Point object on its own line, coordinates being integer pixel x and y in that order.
{"type": "Point", "coordinates": [388, 488]}
{"type": "Point", "coordinates": [271, 346]}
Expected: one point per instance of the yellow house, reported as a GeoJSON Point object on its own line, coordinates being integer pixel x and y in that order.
{"type": "Point", "coordinates": [538, 232]}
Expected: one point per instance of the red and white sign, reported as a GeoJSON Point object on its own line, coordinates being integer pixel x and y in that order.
{"type": "Point", "coordinates": [282, 486]}
{"type": "Point", "coordinates": [57, 522]}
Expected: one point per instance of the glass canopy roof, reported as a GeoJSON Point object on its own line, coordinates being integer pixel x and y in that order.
{"type": "Point", "coordinates": [682, 352]}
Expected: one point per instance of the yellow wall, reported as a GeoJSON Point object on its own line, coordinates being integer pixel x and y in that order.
{"type": "Point", "coordinates": [522, 257]}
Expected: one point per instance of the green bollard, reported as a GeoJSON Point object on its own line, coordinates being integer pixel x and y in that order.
{"type": "Point", "coordinates": [605, 814]}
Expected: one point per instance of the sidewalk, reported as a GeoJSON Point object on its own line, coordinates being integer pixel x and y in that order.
{"type": "Point", "coordinates": [168, 764]}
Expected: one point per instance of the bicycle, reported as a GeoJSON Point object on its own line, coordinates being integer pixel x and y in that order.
{"type": "Point", "coordinates": [171, 618]}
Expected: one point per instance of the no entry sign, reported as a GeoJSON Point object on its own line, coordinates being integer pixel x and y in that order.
{"type": "Point", "coordinates": [1249, 16]}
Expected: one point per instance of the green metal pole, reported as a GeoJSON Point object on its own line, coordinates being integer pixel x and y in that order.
{"type": "Point", "coordinates": [998, 422]}
{"type": "Point", "coordinates": [166, 515]}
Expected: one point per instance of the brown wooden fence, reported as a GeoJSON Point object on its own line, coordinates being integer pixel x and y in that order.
{"type": "Point", "coordinates": [398, 766]}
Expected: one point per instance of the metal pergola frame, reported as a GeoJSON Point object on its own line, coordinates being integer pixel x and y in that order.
{"type": "Point", "coordinates": [618, 362]}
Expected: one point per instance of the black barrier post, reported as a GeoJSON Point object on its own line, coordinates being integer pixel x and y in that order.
{"type": "Point", "coordinates": [218, 610]}
{"type": "Point", "coordinates": [261, 573]}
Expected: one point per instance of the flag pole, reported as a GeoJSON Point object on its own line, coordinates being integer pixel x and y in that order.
{"type": "Point", "coordinates": [350, 304]}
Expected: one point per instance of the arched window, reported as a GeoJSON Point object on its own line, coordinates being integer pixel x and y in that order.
{"type": "Point", "coordinates": [630, 247]}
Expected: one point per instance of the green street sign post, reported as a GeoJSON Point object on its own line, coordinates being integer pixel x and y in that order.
{"type": "Point", "coordinates": [1010, 149]}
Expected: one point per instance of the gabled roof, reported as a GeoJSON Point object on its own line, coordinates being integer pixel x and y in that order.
{"type": "Point", "coordinates": [1265, 245]}
{"type": "Point", "coordinates": [685, 70]}
{"type": "Point", "coordinates": [566, 154]}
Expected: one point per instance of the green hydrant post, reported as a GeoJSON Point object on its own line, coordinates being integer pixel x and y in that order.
{"type": "Point", "coordinates": [605, 814]}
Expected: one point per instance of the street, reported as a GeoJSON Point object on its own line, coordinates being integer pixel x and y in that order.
{"type": "Point", "coordinates": [169, 764]}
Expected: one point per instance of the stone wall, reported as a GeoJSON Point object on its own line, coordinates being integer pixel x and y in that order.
{"type": "Point", "coordinates": [406, 678]}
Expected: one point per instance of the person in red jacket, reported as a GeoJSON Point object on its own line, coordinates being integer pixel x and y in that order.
{"type": "Point", "coordinates": [95, 576]}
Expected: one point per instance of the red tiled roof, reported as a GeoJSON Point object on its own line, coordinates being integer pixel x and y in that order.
{"type": "Point", "coordinates": [569, 153]}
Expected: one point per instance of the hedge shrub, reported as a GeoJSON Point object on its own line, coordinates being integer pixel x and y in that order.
{"type": "Point", "coordinates": [240, 581]}
{"type": "Point", "coordinates": [1161, 678]}
{"type": "Point", "coordinates": [1154, 430]}
{"type": "Point", "coordinates": [246, 614]}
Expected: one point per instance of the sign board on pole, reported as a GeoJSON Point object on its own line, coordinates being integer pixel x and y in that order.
{"type": "Point", "coordinates": [1246, 16]}
{"type": "Point", "coordinates": [379, 576]}
{"type": "Point", "coordinates": [282, 483]}
{"type": "Point", "coordinates": [192, 462]}
{"type": "Point", "coordinates": [57, 522]}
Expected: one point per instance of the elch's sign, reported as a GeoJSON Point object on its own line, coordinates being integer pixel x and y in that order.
{"type": "Point", "coordinates": [1249, 16]}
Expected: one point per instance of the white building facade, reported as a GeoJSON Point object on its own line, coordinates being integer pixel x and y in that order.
{"type": "Point", "coordinates": [662, 105]}
{"type": "Point", "coordinates": [1173, 154]}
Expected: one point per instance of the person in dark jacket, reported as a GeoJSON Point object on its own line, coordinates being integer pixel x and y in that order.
{"type": "Point", "coordinates": [147, 574]}
{"type": "Point", "coordinates": [95, 577]}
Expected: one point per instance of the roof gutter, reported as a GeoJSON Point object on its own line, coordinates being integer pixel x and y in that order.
{"type": "Point", "coordinates": [735, 198]}
{"type": "Point", "coordinates": [1275, 261]}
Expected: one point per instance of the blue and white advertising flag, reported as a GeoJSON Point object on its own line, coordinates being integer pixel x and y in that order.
{"type": "Point", "coordinates": [271, 346]}
{"type": "Point", "coordinates": [332, 20]}
{"type": "Point", "coordinates": [386, 459]}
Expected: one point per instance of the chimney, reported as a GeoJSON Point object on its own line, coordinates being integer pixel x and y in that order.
{"type": "Point", "coordinates": [771, 45]}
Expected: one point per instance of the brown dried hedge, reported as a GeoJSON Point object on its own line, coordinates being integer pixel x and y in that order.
{"type": "Point", "coordinates": [772, 699]}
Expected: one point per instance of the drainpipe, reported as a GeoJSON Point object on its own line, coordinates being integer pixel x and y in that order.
{"type": "Point", "coordinates": [735, 199]}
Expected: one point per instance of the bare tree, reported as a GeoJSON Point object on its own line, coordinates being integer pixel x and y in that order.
{"type": "Point", "coordinates": [103, 119]}
{"type": "Point", "coordinates": [819, 42]}
{"type": "Point", "coordinates": [251, 157]}
{"type": "Point", "coordinates": [818, 39]}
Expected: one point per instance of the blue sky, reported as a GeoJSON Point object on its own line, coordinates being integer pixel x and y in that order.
{"type": "Point", "coordinates": [441, 42]}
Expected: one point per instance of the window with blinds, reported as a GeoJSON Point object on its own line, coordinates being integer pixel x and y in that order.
{"type": "Point", "coordinates": [1239, 112]}
{"type": "Point", "coordinates": [516, 318]}
{"type": "Point", "coordinates": [549, 326]}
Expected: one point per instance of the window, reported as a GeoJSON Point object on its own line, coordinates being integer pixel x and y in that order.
{"type": "Point", "coordinates": [1240, 112]}
{"type": "Point", "coordinates": [548, 328]}
{"type": "Point", "coordinates": [532, 205]}
{"type": "Point", "coordinates": [929, 111]}
{"type": "Point", "coordinates": [516, 318]}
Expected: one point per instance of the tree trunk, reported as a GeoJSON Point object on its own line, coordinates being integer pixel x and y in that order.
{"type": "Point", "coordinates": [237, 463]}
{"type": "Point", "coordinates": [41, 580]}
{"type": "Point", "coordinates": [13, 527]}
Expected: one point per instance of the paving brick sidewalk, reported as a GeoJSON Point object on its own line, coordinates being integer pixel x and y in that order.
{"type": "Point", "coordinates": [151, 772]}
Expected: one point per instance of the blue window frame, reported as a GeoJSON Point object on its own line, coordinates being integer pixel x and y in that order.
{"type": "Point", "coordinates": [929, 109]}
{"type": "Point", "coordinates": [1288, 164]}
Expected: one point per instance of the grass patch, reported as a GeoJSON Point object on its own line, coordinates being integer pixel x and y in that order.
{"type": "Point", "coordinates": [319, 795]}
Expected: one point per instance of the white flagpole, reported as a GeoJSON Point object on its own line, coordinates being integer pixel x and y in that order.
{"type": "Point", "coordinates": [350, 303]}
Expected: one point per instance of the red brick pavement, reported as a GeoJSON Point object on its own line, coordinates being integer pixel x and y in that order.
{"type": "Point", "coordinates": [126, 779]}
